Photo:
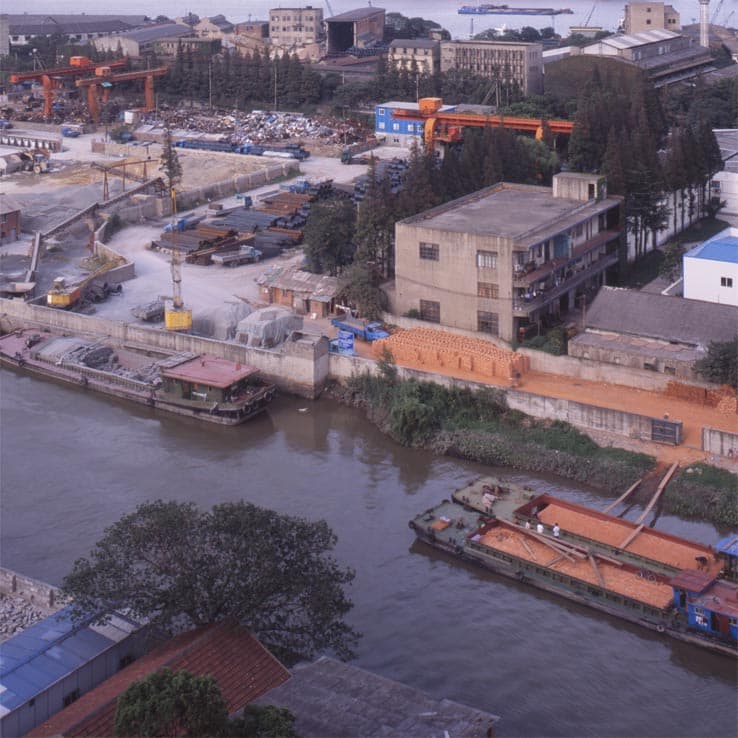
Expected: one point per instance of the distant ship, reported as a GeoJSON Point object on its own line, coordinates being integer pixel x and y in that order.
{"type": "Point", "coordinates": [507, 10]}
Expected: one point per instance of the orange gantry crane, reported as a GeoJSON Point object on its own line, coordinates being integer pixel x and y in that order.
{"type": "Point", "coordinates": [447, 126]}
{"type": "Point", "coordinates": [52, 79]}
{"type": "Point", "coordinates": [105, 78]}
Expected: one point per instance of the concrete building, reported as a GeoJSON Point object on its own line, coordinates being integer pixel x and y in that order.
{"type": "Point", "coordinates": [646, 16]}
{"type": "Point", "coordinates": [724, 185]}
{"type": "Point", "coordinates": [419, 55]}
{"type": "Point", "coordinates": [400, 132]}
{"type": "Point", "coordinates": [215, 27]}
{"type": "Point", "coordinates": [510, 257]}
{"type": "Point", "coordinates": [142, 41]}
{"type": "Point", "coordinates": [665, 56]}
{"type": "Point", "coordinates": [508, 62]}
{"type": "Point", "coordinates": [289, 27]}
{"type": "Point", "coordinates": [79, 28]}
{"type": "Point", "coordinates": [258, 29]}
{"type": "Point", "coordinates": [711, 270]}
{"type": "Point", "coordinates": [357, 29]}
{"type": "Point", "coordinates": [645, 330]}
{"type": "Point", "coordinates": [170, 46]}
{"type": "Point", "coordinates": [10, 209]}
{"type": "Point", "coordinates": [51, 664]}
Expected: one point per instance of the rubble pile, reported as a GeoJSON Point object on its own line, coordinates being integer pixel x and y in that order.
{"type": "Point", "coordinates": [17, 614]}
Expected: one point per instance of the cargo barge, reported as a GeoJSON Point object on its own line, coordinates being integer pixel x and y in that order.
{"type": "Point", "coordinates": [507, 10]}
{"type": "Point", "coordinates": [197, 386]}
{"type": "Point", "coordinates": [671, 585]}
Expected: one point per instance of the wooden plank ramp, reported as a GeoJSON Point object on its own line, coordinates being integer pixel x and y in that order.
{"type": "Point", "coordinates": [633, 487]}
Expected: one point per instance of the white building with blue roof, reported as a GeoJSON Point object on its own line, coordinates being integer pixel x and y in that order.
{"type": "Point", "coordinates": [711, 269]}
{"type": "Point", "coordinates": [55, 661]}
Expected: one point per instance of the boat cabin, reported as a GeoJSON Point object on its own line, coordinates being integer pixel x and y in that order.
{"type": "Point", "coordinates": [727, 551]}
{"type": "Point", "coordinates": [710, 604]}
{"type": "Point", "coordinates": [207, 379]}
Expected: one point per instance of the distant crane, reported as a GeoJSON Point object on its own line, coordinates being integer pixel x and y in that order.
{"type": "Point", "coordinates": [589, 15]}
{"type": "Point", "coordinates": [330, 9]}
{"type": "Point", "coordinates": [718, 8]}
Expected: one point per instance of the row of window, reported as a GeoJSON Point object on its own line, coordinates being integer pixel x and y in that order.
{"type": "Point", "coordinates": [431, 252]}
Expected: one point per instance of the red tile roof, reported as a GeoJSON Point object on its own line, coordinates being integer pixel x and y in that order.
{"type": "Point", "coordinates": [242, 667]}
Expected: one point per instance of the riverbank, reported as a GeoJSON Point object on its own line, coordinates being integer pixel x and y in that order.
{"type": "Point", "coordinates": [478, 426]}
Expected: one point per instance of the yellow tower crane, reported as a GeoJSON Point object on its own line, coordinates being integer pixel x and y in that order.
{"type": "Point", "coordinates": [176, 316]}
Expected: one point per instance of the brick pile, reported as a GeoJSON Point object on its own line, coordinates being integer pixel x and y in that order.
{"type": "Point", "coordinates": [443, 350]}
{"type": "Point", "coordinates": [728, 405]}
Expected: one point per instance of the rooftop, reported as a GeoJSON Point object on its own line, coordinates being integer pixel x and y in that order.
{"type": "Point", "coordinates": [50, 650]}
{"type": "Point", "coordinates": [8, 205]}
{"type": "Point", "coordinates": [722, 247]}
{"type": "Point", "coordinates": [512, 211]}
{"type": "Point", "coordinates": [210, 370]}
{"type": "Point", "coordinates": [318, 286]}
{"type": "Point", "coordinates": [154, 33]}
{"type": "Point", "coordinates": [663, 317]}
{"type": "Point", "coordinates": [354, 15]}
{"type": "Point", "coordinates": [241, 666]}
{"type": "Point", "coordinates": [330, 698]}
{"type": "Point", "coordinates": [728, 545]}
{"type": "Point", "coordinates": [414, 43]}
{"type": "Point", "coordinates": [633, 40]}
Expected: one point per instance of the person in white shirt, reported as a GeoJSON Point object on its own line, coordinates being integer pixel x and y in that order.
{"type": "Point", "coordinates": [556, 530]}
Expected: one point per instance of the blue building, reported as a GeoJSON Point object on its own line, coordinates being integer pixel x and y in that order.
{"type": "Point", "coordinates": [710, 604]}
{"type": "Point", "coordinates": [400, 132]}
{"type": "Point", "coordinates": [52, 663]}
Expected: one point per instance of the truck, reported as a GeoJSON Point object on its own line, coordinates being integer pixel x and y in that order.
{"type": "Point", "coordinates": [348, 157]}
{"type": "Point", "coordinates": [366, 331]}
{"type": "Point", "coordinates": [70, 132]}
{"type": "Point", "coordinates": [244, 255]}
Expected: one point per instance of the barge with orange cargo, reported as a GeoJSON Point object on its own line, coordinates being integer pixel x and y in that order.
{"type": "Point", "coordinates": [204, 387]}
{"type": "Point", "coordinates": [682, 588]}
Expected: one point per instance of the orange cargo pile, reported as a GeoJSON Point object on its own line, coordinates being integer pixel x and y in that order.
{"type": "Point", "coordinates": [442, 350]}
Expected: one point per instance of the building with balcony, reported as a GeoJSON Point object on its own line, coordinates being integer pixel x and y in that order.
{"type": "Point", "coordinates": [509, 257]}
{"type": "Point", "coordinates": [291, 27]}
{"type": "Point", "coordinates": [640, 17]}
{"type": "Point", "coordinates": [417, 55]}
{"type": "Point", "coordinates": [711, 270]}
{"type": "Point", "coordinates": [507, 62]}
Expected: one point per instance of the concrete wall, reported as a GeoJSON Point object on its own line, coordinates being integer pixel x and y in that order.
{"type": "Point", "coordinates": [707, 279]}
{"type": "Point", "coordinates": [719, 443]}
{"type": "Point", "coordinates": [40, 594]}
{"type": "Point", "coordinates": [299, 366]}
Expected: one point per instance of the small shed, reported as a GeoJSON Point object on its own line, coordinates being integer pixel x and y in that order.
{"type": "Point", "coordinates": [10, 218]}
{"type": "Point", "coordinates": [302, 292]}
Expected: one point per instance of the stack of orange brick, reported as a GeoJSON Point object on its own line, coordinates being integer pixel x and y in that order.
{"type": "Point", "coordinates": [434, 349]}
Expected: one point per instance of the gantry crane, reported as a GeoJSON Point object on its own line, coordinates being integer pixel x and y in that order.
{"type": "Point", "coordinates": [51, 79]}
{"type": "Point", "coordinates": [448, 126]}
{"type": "Point", "coordinates": [105, 78]}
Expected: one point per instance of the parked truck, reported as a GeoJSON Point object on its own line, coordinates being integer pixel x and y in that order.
{"type": "Point", "coordinates": [366, 331]}
{"type": "Point", "coordinates": [244, 255]}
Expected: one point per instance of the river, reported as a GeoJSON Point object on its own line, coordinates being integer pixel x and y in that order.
{"type": "Point", "coordinates": [73, 463]}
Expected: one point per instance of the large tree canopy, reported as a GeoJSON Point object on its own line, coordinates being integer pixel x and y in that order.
{"type": "Point", "coordinates": [178, 566]}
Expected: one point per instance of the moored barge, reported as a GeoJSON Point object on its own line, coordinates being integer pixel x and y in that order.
{"type": "Point", "coordinates": [672, 585]}
{"type": "Point", "coordinates": [198, 386]}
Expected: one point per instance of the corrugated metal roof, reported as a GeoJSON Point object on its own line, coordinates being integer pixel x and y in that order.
{"type": "Point", "coordinates": [629, 41]}
{"type": "Point", "coordinates": [295, 280]}
{"type": "Point", "coordinates": [728, 545]}
{"type": "Point", "coordinates": [721, 247]}
{"type": "Point", "coordinates": [354, 15]}
{"type": "Point", "coordinates": [33, 660]}
{"type": "Point", "coordinates": [155, 33]}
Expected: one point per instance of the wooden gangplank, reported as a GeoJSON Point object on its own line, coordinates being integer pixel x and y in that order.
{"type": "Point", "coordinates": [633, 487]}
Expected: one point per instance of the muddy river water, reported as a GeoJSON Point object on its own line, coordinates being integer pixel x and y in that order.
{"type": "Point", "coordinates": [73, 463]}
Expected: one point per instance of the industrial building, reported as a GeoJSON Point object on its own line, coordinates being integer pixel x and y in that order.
{"type": "Point", "coordinates": [711, 270]}
{"type": "Point", "coordinates": [645, 330]}
{"type": "Point", "coordinates": [418, 55]}
{"type": "Point", "coordinates": [142, 41]}
{"type": "Point", "coordinates": [507, 62]}
{"type": "Point", "coordinates": [664, 55]}
{"type": "Point", "coordinates": [397, 131]}
{"type": "Point", "coordinates": [54, 662]}
{"type": "Point", "coordinates": [510, 257]}
{"type": "Point", "coordinates": [290, 27]}
{"type": "Point", "coordinates": [647, 16]}
{"type": "Point", "coordinates": [215, 27]}
{"type": "Point", "coordinates": [355, 30]}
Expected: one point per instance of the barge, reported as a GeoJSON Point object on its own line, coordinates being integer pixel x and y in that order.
{"type": "Point", "coordinates": [198, 386]}
{"type": "Point", "coordinates": [672, 585]}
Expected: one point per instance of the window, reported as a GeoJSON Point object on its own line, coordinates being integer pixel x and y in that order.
{"type": "Point", "coordinates": [486, 260]}
{"type": "Point", "coordinates": [381, 126]}
{"type": "Point", "coordinates": [487, 289]}
{"type": "Point", "coordinates": [726, 281]}
{"type": "Point", "coordinates": [488, 322]}
{"type": "Point", "coordinates": [430, 311]}
{"type": "Point", "coordinates": [428, 251]}
{"type": "Point", "coordinates": [395, 126]}
{"type": "Point", "coordinates": [380, 111]}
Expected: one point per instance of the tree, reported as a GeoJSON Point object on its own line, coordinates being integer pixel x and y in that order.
{"type": "Point", "coordinates": [175, 566]}
{"type": "Point", "coordinates": [169, 164]}
{"type": "Point", "coordinates": [671, 266]}
{"type": "Point", "coordinates": [721, 363]}
{"type": "Point", "coordinates": [329, 236]}
{"type": "Point", "coordinates": [263, 721]}
{"type": "Point", "coordinates": [169, 703]}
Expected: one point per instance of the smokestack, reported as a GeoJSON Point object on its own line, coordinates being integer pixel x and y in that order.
{"type": "Point", "coordinates": [704, 23]}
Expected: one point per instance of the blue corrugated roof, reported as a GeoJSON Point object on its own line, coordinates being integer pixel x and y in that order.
{"type": "Point", "coordinates": [722, 247]}
{"type": "Point", "coordinates": [44, 653]}
{"type": "Point", "coordinates": [728, 545]}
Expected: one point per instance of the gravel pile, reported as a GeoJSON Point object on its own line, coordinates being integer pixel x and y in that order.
{"type": "Point", "coordinates": [16, 614]}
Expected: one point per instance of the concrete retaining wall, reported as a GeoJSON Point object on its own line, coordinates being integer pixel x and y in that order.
{"type": "Point", "coordinates": [299, 366]}
{"type": "Point", "coordinates": [38, 593]}
{"type": "Point", "coordinates": [719, 443]}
